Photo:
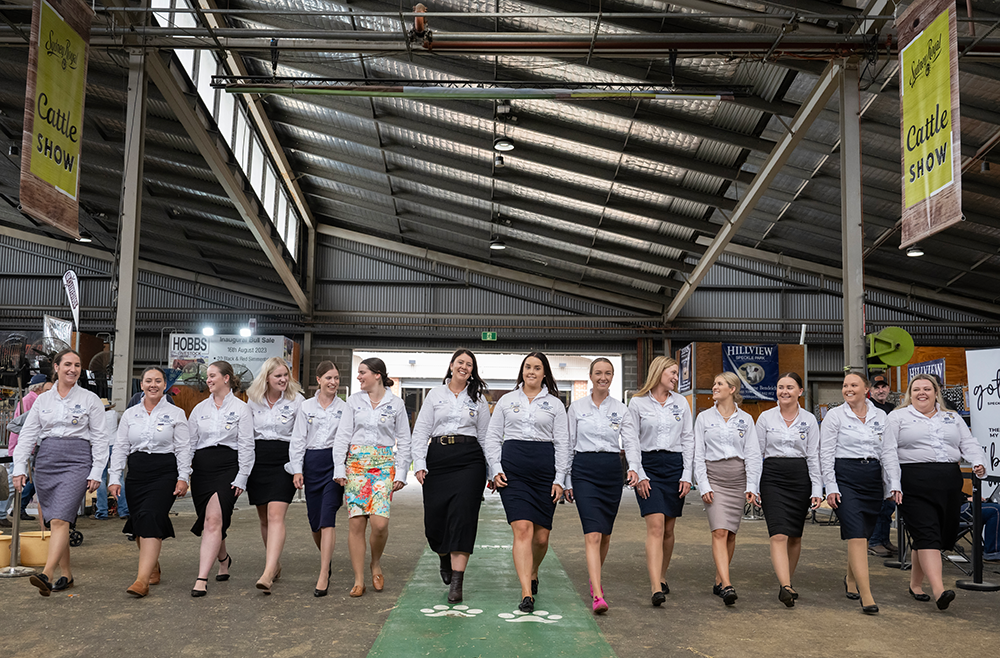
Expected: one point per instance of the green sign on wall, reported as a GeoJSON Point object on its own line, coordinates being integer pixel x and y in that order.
{"type": "Point", "coordinates": [489, 335]}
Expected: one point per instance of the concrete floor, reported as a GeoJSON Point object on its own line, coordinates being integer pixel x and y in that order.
{"type": "Point", "coordinates": [97, 618]}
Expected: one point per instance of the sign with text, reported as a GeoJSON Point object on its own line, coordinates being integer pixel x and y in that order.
{"type": "Point", "coordinates": [931, 134]}
{"type": "Point", "coordinates": [984, 403]}
{"type": "Point", "coordinates": [684, 381]}
{"type": "Point", "coordinates": [935, 367]}
{"type": "Point", "coordinates": [189, 352]}
{"type": "Point", "coordinates": [757, 368]}
{"type": "Point", "coordinates": [53, 112]}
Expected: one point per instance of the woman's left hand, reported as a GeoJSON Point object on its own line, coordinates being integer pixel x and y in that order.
{"type": "Point", "coordinates": [557, 492]}
{"type": "Point", "coordinates": [181, 489]}
{"type": "Point", "coordinates": [632, 479]}
{"type": "Point", "coordinates": [397, 485]}
{"type": "Point", "coordinates": [93, 485]}
{"type": "Point", "coordinates": [239, 492]}
{"type": "Point", "coordinates": [897, 497]}
{"type": "Point", "coordinates": [979, 470]}
{"type": "Point", "coordinates": [815, 502]}
{"type": "Point", "coordinates": [569, 495]}
{"type": "Point", "coordinates": [684, 488]}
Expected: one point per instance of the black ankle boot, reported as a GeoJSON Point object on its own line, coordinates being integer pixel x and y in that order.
{"type": "Point", "coordinates": [455, 592]}
{"type": "Point", "coordinates": [446, 568]}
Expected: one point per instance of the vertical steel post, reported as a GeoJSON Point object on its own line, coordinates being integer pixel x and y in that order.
{"type": "Point", "coordinates": [851, 218]}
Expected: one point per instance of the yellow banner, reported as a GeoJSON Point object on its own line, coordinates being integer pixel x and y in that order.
{"type": "Point", "coordinates": [58, 103]}
{"type": "Point", "coordinates": [927, 123]}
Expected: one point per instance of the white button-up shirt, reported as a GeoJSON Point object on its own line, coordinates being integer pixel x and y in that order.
{"type": "Point", "coordinates": [315, 428]}
{"type": "Point", "coordinates": [913, 438]}
{"type": "Point", "coordinates": [79, 415]}
{"type": "Point", "coordinates": [386, 425]}
{"type": "Point", "coordinates": [715, 440]}
{"type": "Point", "coordinates": [844, 436]}
{"type": "Point", "coordinates": [275, 423]}
{"type": "Point", "coordinates": [800, 440]}
{"type": "Point", "coordinates": [230, 426]}
{"type": "Point", "coordinates": [666, 426]}
{"type": "Point", "coordinates": [445, 413]}
{"type": "Point", "coordinates": [162, 431]}
{"type": "Point", "coordinates": [515, 419]}
{"type": "Point", "coordinates": [605, 428]}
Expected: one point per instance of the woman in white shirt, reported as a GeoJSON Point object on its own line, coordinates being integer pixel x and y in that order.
{"type": "Point", "coordinates": [67, 424]}
{"type": "Point", "coordinates": [448, 461]}
{"type": "Point", "coordinates": [851, 455]}
{"type": "Point", "coordinates": [662, 419]}
{"type": "Point", "coordinates": [726, 467]}
{"type": "Point", "coordinates": [599, 428]}
{"type": "Point", "coordinates": [310, 461]}
{"type": "Point", "coordinates": [790, 479]}
{"type": "Point", "coordinates": [364, 464]}
{"type": "Point", "coordinates": [274, 401]}
{"type": "Point", "coordinates": [924, 445]}
{"type": "Point", "coordinates": [221, 429]}
{"type": "Point", "coordinates": [155, 441]}
{"type": "Point", "coordinates": [527, 450]}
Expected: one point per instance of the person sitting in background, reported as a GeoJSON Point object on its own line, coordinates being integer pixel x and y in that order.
{"type": "Point", "coordinates": [991, 527]}
{"type": "Point", "coordinates": [36, 386]}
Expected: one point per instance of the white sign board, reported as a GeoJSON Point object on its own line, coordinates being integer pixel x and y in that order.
{"type": "Point", "coordinates": [984, 402]}
{"type": "Point", "coordinates": [187, 351]}
{"type": "Point", "coordinates": [72, 287]}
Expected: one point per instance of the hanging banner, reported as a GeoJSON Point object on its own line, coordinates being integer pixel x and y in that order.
{"type": "Point", "coordinates": [53, 112]}
{"type": "Point", "coordinates": [684, 382]}
{"type": "Point", "coordinates": [189, 351]}
{"type": "Point", "coordinates": [935, 367]}
{"type": "Point", "coordinates": [931, 135]}
{"type": "Point", "coordinates": [757, 368]}
{"type": "Point", "coordinates": [72, 287]}
{"type": "Point", "coordinates": [984, 403]}
{"type": "Point", "coordinates": [57, 329]}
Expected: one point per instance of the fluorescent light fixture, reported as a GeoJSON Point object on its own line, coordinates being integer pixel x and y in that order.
{"type": "Point", "coordinates": [914, 252]}
{"type": "Point", "coordinates": [84, 238]}
{"type": "Point", "coordinates": [245, 332]}
{"type": "Point", "coordinates": [497, 244]}
{"type": "Point", "coordinates": [503, 144]}
{"type": "Point", "coordinates": [208, 331]}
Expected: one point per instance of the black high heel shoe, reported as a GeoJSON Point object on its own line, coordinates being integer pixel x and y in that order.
{"type": "Point", "coordinates": [729, 595]}
{"type": "Point", "coordinates": [223, 577]}
{"type": "Point", "coordinates": [919, 597]}
{"type": "Point", "coordinates": [869, 609]}
{"type": "Point", "coordinates": [322, 592]}
{"type": "Point", "coordinates": [854, 596]}
{"type": "Point", "coordinates": [785, 596]}
{"type": "Point", "coordinates": [196, 593]}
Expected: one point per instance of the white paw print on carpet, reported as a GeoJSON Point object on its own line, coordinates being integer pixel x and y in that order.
{"type": "Point", "coordinates": [538, 616]}
{"type": "Point", "coordinates": [450, 611]}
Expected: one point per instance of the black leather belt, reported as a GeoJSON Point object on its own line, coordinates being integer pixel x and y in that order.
{"type": "Point", "coordinates": [449, 439]}
{"type": "Point", "coordinates": [860, 460]}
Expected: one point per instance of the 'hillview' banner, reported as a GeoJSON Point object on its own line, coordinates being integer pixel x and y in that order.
{"type": "Point", "coordinates": [53, 112]}
{"type": "Point", "coordinates": [757, 368]}
{"type": "Point", "coordinates": [931, 135]}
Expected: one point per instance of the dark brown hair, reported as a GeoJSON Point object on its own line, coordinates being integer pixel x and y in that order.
{"type": "Point", "coordinates": [226, 370]}
{"type": "Point", "coordinates": [57, 359]}
{"type": "Point", "coordinates": [476, 385]}
{"type": "Point", "coordinates": [549, 380]}
{"type": "Point", "coordinates": [157, 369]}
{"type": "Point", "coordinates": [377, 366]}
{"type": "Point", "coordinates": [794, 376]}
{"type": "Point", "coordinates": [325, 367]}
{"type": "Point", "coordinates": [600, 359]}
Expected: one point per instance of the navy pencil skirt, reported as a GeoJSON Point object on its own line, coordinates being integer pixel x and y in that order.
{"type": "Point", "coordinates": [530, 468]}
{"type": "Point", "coordinates": [664, 470]}
{"type": "Point", "coordinates": [597, 489]}
{"type": "Point", "coordinates": [324, 497]}
{"type": "Point", "coordinates": [860, 484]}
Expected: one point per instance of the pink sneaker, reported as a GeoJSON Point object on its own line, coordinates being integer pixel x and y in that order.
{"type": "Point", "coordinates": [600, 606]}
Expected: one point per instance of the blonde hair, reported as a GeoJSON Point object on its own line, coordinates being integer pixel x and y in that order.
{"type": "Point", "coordinates": [937, 391]}
{"type": "Point", "coordinates": [258, 389]}
{"type": "Point", "coordinates": [656, 368]}
{"type": "Point", "coordinates": [733, 380]}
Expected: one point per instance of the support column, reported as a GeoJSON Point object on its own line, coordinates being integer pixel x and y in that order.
{"type": "Point", "coordinates": [851, 218]}
{"type": "Point", "coordinates": [307, 367]}
{"type": "Point", "coordinates": [128, 244]}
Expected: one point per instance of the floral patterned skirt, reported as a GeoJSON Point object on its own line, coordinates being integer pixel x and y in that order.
{"type": "Point", "coordinates": [370, 472]}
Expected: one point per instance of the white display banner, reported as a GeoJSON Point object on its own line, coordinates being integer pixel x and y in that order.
{"type": "Point", "coordinates": [72, 287]}
{"type": "Point", "coordinates": [188, 351]}
{"type": "Point", "coordinates": [984, 402]}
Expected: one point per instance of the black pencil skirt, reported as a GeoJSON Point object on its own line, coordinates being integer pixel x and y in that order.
{"type": "Point", "coordinates": [268, 481]}
{"type": "Point", "coordinates": [213, 470]}
{"type": "Point", "coordinates": [664, 470]}
{"type": "Point", "coordinates": [860, 484]}
{"type": "Point", "coordinates": [324, 497]}
{"type": "Point", "coordinates": [784, 495]}
{"type": "Point", "coordinates": [530, 468]}
{"type": "Point", "coordinates": [932, 503]}
{"type": "Point", "coordinates": [597, 489]}
{"type": "Point", "coordinates": [453, 492]}
{"type": "Point", "coordinates": [150, 484]}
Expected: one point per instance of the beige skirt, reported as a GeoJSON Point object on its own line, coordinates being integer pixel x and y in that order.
{"type": "Point", "coordinates": [728, 478]}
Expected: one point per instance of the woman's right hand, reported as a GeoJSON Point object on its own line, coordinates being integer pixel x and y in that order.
{"type": "Point", "coordinates": [341, 481]}
{"type": "Point", "coordinates": [707, 497]}
{"type": "Point", "coordinates": [420, 475]}
{"type": "Point", "coordinates": [833, 500]}
{"type": "Point", "coordinates": [19, 481]}
{"type": "Point", "coordinates": [643, 489]}
{"type": "Point", "coordinates": [500, 481]}
{"type": "Point", "coordinates": [897, 497]}
{"type": "Point", "coordinates": [298, 481]}
{"type": "Point", "coordinates": [115, 490]}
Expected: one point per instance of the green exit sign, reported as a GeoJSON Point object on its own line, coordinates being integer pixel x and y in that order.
{"type": "Point", "coordinates": [489, 335]}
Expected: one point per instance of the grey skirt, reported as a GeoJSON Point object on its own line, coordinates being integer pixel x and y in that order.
{"type": "Point", "coordinates": [728, 478]}
{"type": "Point", "coordinates": [61, 470]}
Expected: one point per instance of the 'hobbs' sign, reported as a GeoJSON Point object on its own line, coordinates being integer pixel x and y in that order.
{"type": "Point", "coordinates": [53, 112]}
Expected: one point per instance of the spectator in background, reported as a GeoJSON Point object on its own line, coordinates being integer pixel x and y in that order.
{"type": "Point", "coordinates": [111, 425]}
{"type": "Point", "coordinates": [879, 543]}
{"type": "Point", "coordinates": [38, 385]}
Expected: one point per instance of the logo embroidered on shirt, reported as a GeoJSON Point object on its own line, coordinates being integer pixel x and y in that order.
{"type": "Point", "coordinates": [76, 412]}
{"type": "Point", "coordinates": [309, 418]}
{"type": "Point", "coordinates": [545, 405]}
{"type": "Point", "coordinates": [616, 421]}
{"type": "Point", "coordinates": [516, 407]}
{"type": "Point", "coordinates": [741, 427]}
{"type": "Point", "coordinates": [803, 429]}
{"type": "Point", "coordinates": [230, 419]}
{"type": "Point", "coordinates": [162, 421]}
{"type": "Point", "coordinates": [676, 411]}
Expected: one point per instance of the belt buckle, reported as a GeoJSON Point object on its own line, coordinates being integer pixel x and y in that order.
{"type": "Point", "coordinates": [448, 439]}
